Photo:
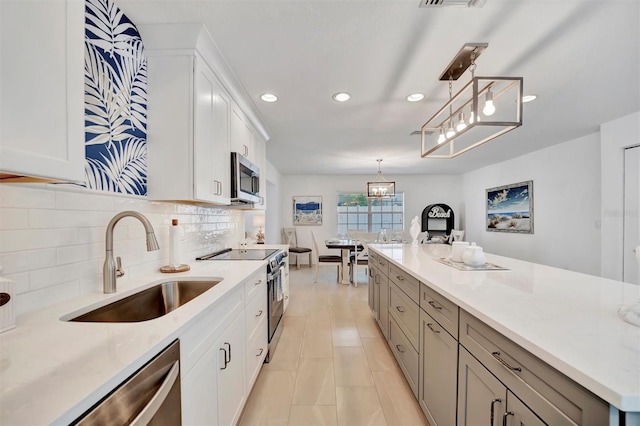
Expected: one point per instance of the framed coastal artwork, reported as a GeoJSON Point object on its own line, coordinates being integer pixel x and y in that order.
{"type": "Point", "coordinates": [307, 210]}
{"type": "Point", "coordinates": [510, 208]}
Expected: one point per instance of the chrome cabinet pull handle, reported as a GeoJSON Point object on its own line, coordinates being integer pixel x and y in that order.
{"type": "Point", "coordinates": [258, 282]}
{"type": "Point", "coordinates": [399, 347]}
{"type": "Point", "coordinates": [493, 403]}
{"type": "Point", "coordinates": [259, 313]}
{"type": "Point", "coordinates": [434, 305]}
{"type": "Point", "coordinates": [433, 329]}
{"type": "Point", "coordinates": [229, 346]}
{"type": "Point", "coordinates": [496, 355]}
{"type": "Point", "coordinates": [225, 359]}
{"type": "Point", "coordinates": [400, 278]}
{"type": "Point", "coordinates": [504, 417]}
{"type": "Point", "coordinates": [150, 410]}
{"type": "Point", "coordinates": [400, 309]}
{"type": "Point", "coordinates": [260, 352]}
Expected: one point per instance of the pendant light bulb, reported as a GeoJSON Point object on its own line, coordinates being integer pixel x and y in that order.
{"type": "Point", "coordinates": [471, 117]}
{"type": "Point", "coordinates": [442, 137]}
{"type": "Point", "coordinates": [450, 131]}
{"type": "Point", "coordinates": [461, 123]}
{"type": "Point", "coordinates": [489, 107]}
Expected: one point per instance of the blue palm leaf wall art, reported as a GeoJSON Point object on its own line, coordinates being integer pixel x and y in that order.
{"type": "Point", "coordinates": [115, 101]}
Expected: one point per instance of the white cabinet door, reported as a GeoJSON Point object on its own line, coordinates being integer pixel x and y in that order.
{"type": "Point", "coordinates": [211, 145]}
{"type": "Point", "coordinates": [241, 134]}
{"type": "Point", "coordinates": [231, 372]}
{"type": "Point", "coordinates": [188, 121]}
{"type": "Point", "coordinates": [42, 89]}
{"type": "Point", "coordinates": [200, 391]}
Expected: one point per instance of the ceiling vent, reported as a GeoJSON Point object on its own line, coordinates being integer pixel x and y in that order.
{"type": "Point", "coordinates": [442, 3]}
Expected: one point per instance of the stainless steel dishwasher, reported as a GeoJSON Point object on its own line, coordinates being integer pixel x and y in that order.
{"type": "Point", "coordinates": [151, 396]}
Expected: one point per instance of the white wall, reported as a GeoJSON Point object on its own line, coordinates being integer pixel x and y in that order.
{"type": "Point", "coordinates": [566, 194]}
{"type": "Point", "coordinates": [616, 135]}
{"type": "Point", "coordinates": [52, 238]}
{"type": "Point", "coordinates": [419, 192]}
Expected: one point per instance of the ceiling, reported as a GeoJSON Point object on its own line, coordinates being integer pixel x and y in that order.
{"type": "Point", "coordinates": [581, 57]}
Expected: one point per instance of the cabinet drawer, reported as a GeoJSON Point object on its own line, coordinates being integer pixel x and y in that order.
{"type": "Point", "coordinates": [440, 308]}
{"type": "Point", "coordinates": [406, 282]}
{"type": "Point", "coordinates": [383, 265]}
{"type": "Point", "coordinates": [406, 355]}
{"type": "Point", "coordinates": [257, 347]}
{"type": "Point", "coordinates": [406, 313]}
{"type": "Point", "coordinates": [252, 284]}
{"type": "Point", "coordinates": [255, 311]}
{"type": "Point", "coordinates": [197, 339]}
{"type": "Point", "coordinates": [533, 381]}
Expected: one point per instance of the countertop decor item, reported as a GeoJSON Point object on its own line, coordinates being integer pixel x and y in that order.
{"type": "Point", "coordinates": [380, 188]}
{"type": "Point", "coordinates": [462, 267]}
{"type": "Point", "coordinates": [482, 110]}
{"type": "Point", "coordinates": [457, 249]}
{"type": "Point", "coordinates": [7, 312]}
{"type": "Point", "coordinates": [258, 220]}
{"type": "Point", "coordinates": [473, 256]}
{"type": "Point", "coordinates": [175, 235]}
{"type": "Point", "coordinates": [414, 230]}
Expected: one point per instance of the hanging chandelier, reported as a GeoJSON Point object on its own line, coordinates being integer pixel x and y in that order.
{"type": "Point", "coordinates": [484, 109]}
{"type": "Point", "coordinates": [381, 188]}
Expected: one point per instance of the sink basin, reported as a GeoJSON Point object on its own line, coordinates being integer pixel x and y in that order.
{"type": "Point", "coordinates": [148, 304]}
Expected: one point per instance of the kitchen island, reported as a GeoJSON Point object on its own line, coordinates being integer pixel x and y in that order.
{"type": "Point", "coordinates": [52, 370]}
{"type": "Point", "coordinates": [566, 319]}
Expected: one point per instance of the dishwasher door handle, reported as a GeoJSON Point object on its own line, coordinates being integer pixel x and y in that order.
{"type": "Point", "coordinates": [147, 413]}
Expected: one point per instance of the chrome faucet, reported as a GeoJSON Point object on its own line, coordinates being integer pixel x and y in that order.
{"type": "Point", "coordinates": [110, 270]}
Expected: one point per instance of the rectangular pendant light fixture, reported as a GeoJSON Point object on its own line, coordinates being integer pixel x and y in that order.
{"type": "Point", "coordinates": [381, 188]}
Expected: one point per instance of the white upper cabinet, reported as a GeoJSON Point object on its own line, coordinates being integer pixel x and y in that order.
{"type": "Point", "coordinates": [42, 89]}
{"type": "Point", "coordinates": [188, 125]}
{"type": "Point", "coordinates": [241, 134]}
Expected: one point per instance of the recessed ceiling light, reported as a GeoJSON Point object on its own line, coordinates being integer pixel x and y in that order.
{"type": "Point", "coordinates": [529, 98]}
{"type": "Point", "coordinates": [341, 97]}
{"type": "Point", "coordinates": [269, 97]}
{"type": "Point", "coordinates": [415, 97]}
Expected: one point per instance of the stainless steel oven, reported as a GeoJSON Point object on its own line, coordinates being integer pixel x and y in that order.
{"type": "Point", "coordinates": [275, 300]}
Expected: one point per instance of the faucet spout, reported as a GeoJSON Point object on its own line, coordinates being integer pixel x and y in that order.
{"type": "Point", "coordinates": [109, 269]}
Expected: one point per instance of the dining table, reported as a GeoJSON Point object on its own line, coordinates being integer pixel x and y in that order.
{"type": "Point", "coordinates": [345, 246]}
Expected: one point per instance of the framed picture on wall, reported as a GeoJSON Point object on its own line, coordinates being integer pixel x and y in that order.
{"type": "Point", "coordinates": [307, 210]}
{"type": "Point", "coordinates": [510, 208]}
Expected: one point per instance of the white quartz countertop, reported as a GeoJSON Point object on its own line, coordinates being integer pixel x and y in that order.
{"type": "Point", "coordinates": [567, 319]}
{"type": "Point", "coordinates": [51, 371]}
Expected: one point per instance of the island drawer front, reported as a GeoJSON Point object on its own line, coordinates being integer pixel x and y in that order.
{"type": "Point", "coordinates": [256, 311]}
{"type": "Point", "coordinates": [406, 313]}
{"type": "Point", "coordinates": [254, 283]}
{"type": "Point", "coordinates": [197, 339]}
{"type": "Point", "coordinates": [383, 265]}
{"type": "Point", "coordinates": [440, 308]}
{"type": "Point", "coordinates": [532, 380]}
{"type": "Point", "coordinates": [406, 282]}
{"type": "Point", "coordinates": [406, 355]}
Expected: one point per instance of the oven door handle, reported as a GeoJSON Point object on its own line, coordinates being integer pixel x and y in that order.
{"type": "Point", "coordinates": [150, 410]}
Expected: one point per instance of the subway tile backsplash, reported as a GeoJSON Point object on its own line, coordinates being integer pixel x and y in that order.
{"type": "Point", "coordinates": [52, 238]}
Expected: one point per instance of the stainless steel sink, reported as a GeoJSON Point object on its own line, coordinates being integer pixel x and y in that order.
{"type": "Point", "coordinates": [148, 304]}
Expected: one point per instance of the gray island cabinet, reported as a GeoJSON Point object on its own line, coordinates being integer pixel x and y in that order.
{"type": "Point", "coordinates": [470, 356]}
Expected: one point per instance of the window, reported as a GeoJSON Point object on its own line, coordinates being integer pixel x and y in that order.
{"type": "Point", "coordinates": [357, 212]}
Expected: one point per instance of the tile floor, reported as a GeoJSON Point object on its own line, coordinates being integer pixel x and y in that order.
{"type": "Point", "coordinates": [332, 365]}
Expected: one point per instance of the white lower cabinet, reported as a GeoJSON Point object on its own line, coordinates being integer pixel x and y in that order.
{"type": "Point", "coordinates": [231, 372]}
{"type": "Point", "coordinates": [222, 354]}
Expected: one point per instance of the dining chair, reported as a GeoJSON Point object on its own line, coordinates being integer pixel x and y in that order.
{"type": "Point", "coordinates": [358, 258]}
{"type": "Point", "coordinates": [456, 235]}
{"type": "Point", "coordinates": [291, 238]}
{"type": "Point", "coordinates": [325, 258]}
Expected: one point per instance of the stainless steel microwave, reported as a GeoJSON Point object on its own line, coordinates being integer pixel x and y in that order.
{"type": "Point", "coordinates": [245, 180]}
